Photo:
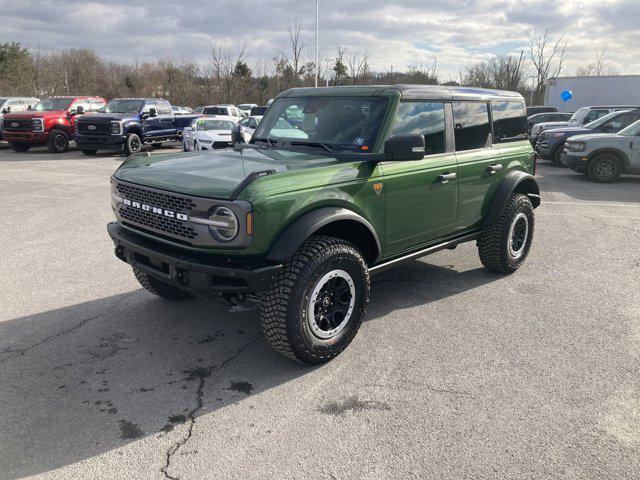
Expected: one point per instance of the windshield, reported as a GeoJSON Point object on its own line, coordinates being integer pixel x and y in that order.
{"type": "Point", "coordinates": [202, 125]}
{"type": "Point", "coordinates": [2, 100]}
{"type": "Point", "coordinates": [345, 123]}
{"type": "Point", "coordinates": [601, 120]}
{"type": "Point", "coordinates": [632, 130]}
{"type": "Point", "coordinates": [52, 105]}
{"type": "Point", "coordinates": [122, 106]}
{"type": "Point", "coordinates": [581, 112]}
{"type": "Point", "coordinates": [215, 111]}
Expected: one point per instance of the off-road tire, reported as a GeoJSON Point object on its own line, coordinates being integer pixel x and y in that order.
{"type": "Point", "coordinates": [19, 146]}
{"type": "Point", "coordinates": [132, 144]}
{"type": "Point", "coordinates": [159, 288]}
{"type": "Point", "coordinates": [493, 243]}
{"type": "Point", "coordinates": [283, 313]}
{"type": "Point", "coordinates": [88, 152]}
{"type": "Point", "coordinates": [596, 171]}
{"type": "Point", "coordinates": [58, 141]}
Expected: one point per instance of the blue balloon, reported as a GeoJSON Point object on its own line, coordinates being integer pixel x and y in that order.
{"type": "Point", "coordinates": [566, 95]}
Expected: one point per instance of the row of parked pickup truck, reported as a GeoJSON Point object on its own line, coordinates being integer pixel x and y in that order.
{"type": "Point", "coordinates": [602, 142]}
{"type": "Point", "coordinates": [122, 124]}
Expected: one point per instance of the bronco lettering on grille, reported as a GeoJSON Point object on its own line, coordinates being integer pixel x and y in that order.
{"type": "Point", "coordinates": [158, 211]}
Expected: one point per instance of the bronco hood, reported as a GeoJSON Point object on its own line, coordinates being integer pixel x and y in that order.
{"type": "Point", "coordinates": [215, 173]}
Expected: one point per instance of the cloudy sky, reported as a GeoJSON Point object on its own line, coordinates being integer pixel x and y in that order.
{"type": "Point", "coordinates": [397, 33]}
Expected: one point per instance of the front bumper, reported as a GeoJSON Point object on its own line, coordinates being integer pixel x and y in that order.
{"type": "Point", "coordinates": [193, 273]}
{"type": "Point", "coordinates": [26, 137]}
{"type": "Point", "coordinates": [574, 162]}
{"type": "Point", "coordinates": [100, 142]}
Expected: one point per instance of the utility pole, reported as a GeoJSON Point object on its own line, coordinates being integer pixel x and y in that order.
{"type": "Point", "coordinates": [317, 30]}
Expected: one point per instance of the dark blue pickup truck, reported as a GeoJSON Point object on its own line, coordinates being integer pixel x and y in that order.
{"type": "Point", "coordinates": [125, 124]}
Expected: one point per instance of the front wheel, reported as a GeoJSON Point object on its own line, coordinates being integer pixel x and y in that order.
{"type": "Point", "coordinates": [504, 246]}
{"type": "Point", "coordinates": [605, 168]}
{"type": "Point", "coordinates": [133, 144]}
{"type": "Point", "coordinates": [557, 156]}
{"type": "Point", "coordinates": [317, 303]}
{"type": "Point", "coordinates": [58, 142]}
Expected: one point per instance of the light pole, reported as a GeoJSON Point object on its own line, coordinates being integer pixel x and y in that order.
{"type": "Point", "coordinates": [317, 28]}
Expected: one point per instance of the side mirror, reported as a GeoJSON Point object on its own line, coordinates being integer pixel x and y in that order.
{"type": "Point", "coordinates": [30, 107]}
{"type": "Point", "coordinates": [236, 137]}
{"type": "Point", "coordinates": [79, 110]}
{"type": "Point", "coordinates": [404, 147]}
{"type": "Point", "coordinates": [153, 112]}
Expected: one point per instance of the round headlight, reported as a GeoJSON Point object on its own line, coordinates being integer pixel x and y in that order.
{"type": "Point", "coordinates": [224, 224]}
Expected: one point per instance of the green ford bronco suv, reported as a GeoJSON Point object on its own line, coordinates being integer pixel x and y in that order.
{"type": "Point", "coordinates": [335, 184]}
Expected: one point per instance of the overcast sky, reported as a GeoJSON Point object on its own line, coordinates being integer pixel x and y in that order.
{"type": "Point", "coordinates": [396, 33]}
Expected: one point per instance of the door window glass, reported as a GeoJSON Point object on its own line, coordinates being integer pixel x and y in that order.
{"type": "Point", "coordinates": [509, 121]}
{"type": "Point", "coordinates": [426, 118]}
{"type": "Point", "coordinates": [148, 105]}
{"type": "Point", "coordinates": [164, 108]}
{"type": "Point", "coordinates": [594, 115]}
{"type": "Point", "coordinates": [472, 128]}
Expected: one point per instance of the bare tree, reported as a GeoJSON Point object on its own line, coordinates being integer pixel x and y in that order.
{"type": "Point", "coordinates": [296, 45]}
{"type": "Point", "coordinates": [503, 72]}
{"type": "Point", "coordinates": [358, 66]}
{"type": "Point", "coordinates": [223, 61]}
{"type": "Point", "coordinates": [600, 66]}
{"type": "Point", "coordinates": [547, 58]}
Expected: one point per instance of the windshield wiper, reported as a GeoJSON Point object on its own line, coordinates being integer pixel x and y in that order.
{"type": "Point", "coordinates": [313, 145]}
{"type": "Point", "coordinates": [271, 142]}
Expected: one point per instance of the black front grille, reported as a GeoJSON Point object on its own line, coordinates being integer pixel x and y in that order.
{"type": "Point", "coordinates": [17, 125]}
{"type": "Point", "coordinates": [154, 198]}
{"type": "Point", "coordinates": [157, 222]}
{"type": "Point", "coordinates": [98, 128]}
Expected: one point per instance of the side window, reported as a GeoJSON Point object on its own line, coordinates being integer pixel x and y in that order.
{"type": "Point", "coordinates": [253, 123]}
{"type": "Point", "coordinates": [244, 122]}
{"type": "Point", "coordinates": [594, 115]}
{"type": "Point", "coordinates": [426, 118]}
{"type": "Point", "coordinates": [148, 105]}
{"type": "Point", "coordinates": [509, 121]}
{"type": "Point", "coordinates": [472, 127]}
{"type": "Point", "coordinates": [619, 122]}
{"type": "Point", "coordinates": [164, 108]}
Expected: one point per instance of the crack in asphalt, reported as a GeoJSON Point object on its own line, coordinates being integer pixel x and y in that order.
{"type": "Point", "coordinates": [22, 351]}
{"type": "Point", "coordinates": [200, 374]}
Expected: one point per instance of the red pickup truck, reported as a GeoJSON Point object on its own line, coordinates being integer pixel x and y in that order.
{"type": "Point", "coordinates": [50, 122]}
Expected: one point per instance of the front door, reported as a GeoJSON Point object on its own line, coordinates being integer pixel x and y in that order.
{"type": "Point", "coordinates": [478, 161]}
{"type": "Point", "coordinates": [150, 125]}
{"type": "Point", "coordinates": [421, 194]}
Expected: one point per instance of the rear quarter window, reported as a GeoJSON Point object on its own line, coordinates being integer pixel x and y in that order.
{"type": "Point", "coordinates": [509, 121]}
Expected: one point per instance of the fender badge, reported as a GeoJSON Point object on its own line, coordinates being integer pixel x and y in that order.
{"type": "Point", "coordinates": [377, 187]}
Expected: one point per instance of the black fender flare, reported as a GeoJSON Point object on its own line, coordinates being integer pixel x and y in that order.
{"type": "Point", "coordinates": [514, 181]}
{"type": "Point", "coordinates": [613, 151]}
{"type": "Point", "coordinates": [293, 236]}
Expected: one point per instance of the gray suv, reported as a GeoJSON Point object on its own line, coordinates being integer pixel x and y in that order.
{"type": "Point", "coordinates": [13, 105]}
{"type": "Point", "coordinates": [603, 157]}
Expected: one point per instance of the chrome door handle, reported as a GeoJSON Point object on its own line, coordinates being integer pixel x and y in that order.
{"type": "Point", "coordinates": [445, 177]}
{"type": "Point", "coordinates": [494, 168]}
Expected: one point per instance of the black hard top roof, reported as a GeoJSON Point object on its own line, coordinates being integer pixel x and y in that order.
{"type": "Point", "coordinates": [409, 92]}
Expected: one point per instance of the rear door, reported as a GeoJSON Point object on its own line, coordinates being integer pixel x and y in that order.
{"type": "Point", "coordinates": [421, 194]}
{"type": "Point", "coordinates": [479, 161]}
{"type": "Point", "coordinates": [166, 119]}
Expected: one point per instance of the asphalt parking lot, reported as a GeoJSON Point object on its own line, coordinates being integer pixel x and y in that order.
{"type": "Point", "coordinates": [456, 373]}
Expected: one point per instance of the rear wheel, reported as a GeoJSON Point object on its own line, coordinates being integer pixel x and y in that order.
{"type": "Point", "coordinates": [605, 168]}
{"type": "Point", "coordinates": [19, 147]}
{"type": "Point", "coordinates": [504, 246]}
{"type": "Point", "coordinates": [58, 141]}
{"type": "Point", "coordinates": [133, 144]}
{"type": "Point", "coordinates": [88, 152]}
{"type": "Point", "coordinates": [317, 303]}
{"type": "Point", "coordinates": [159, 288]}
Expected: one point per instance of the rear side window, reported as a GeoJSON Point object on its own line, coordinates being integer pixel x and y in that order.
{"type": "Point", "coordinates": [472, 127]}
{"type": "Point", "coordinates": [509, 121]}
{"type": "Point", "coordinates": [594, 115]}
{"type": "Point", "coordinates": [426, 118]}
